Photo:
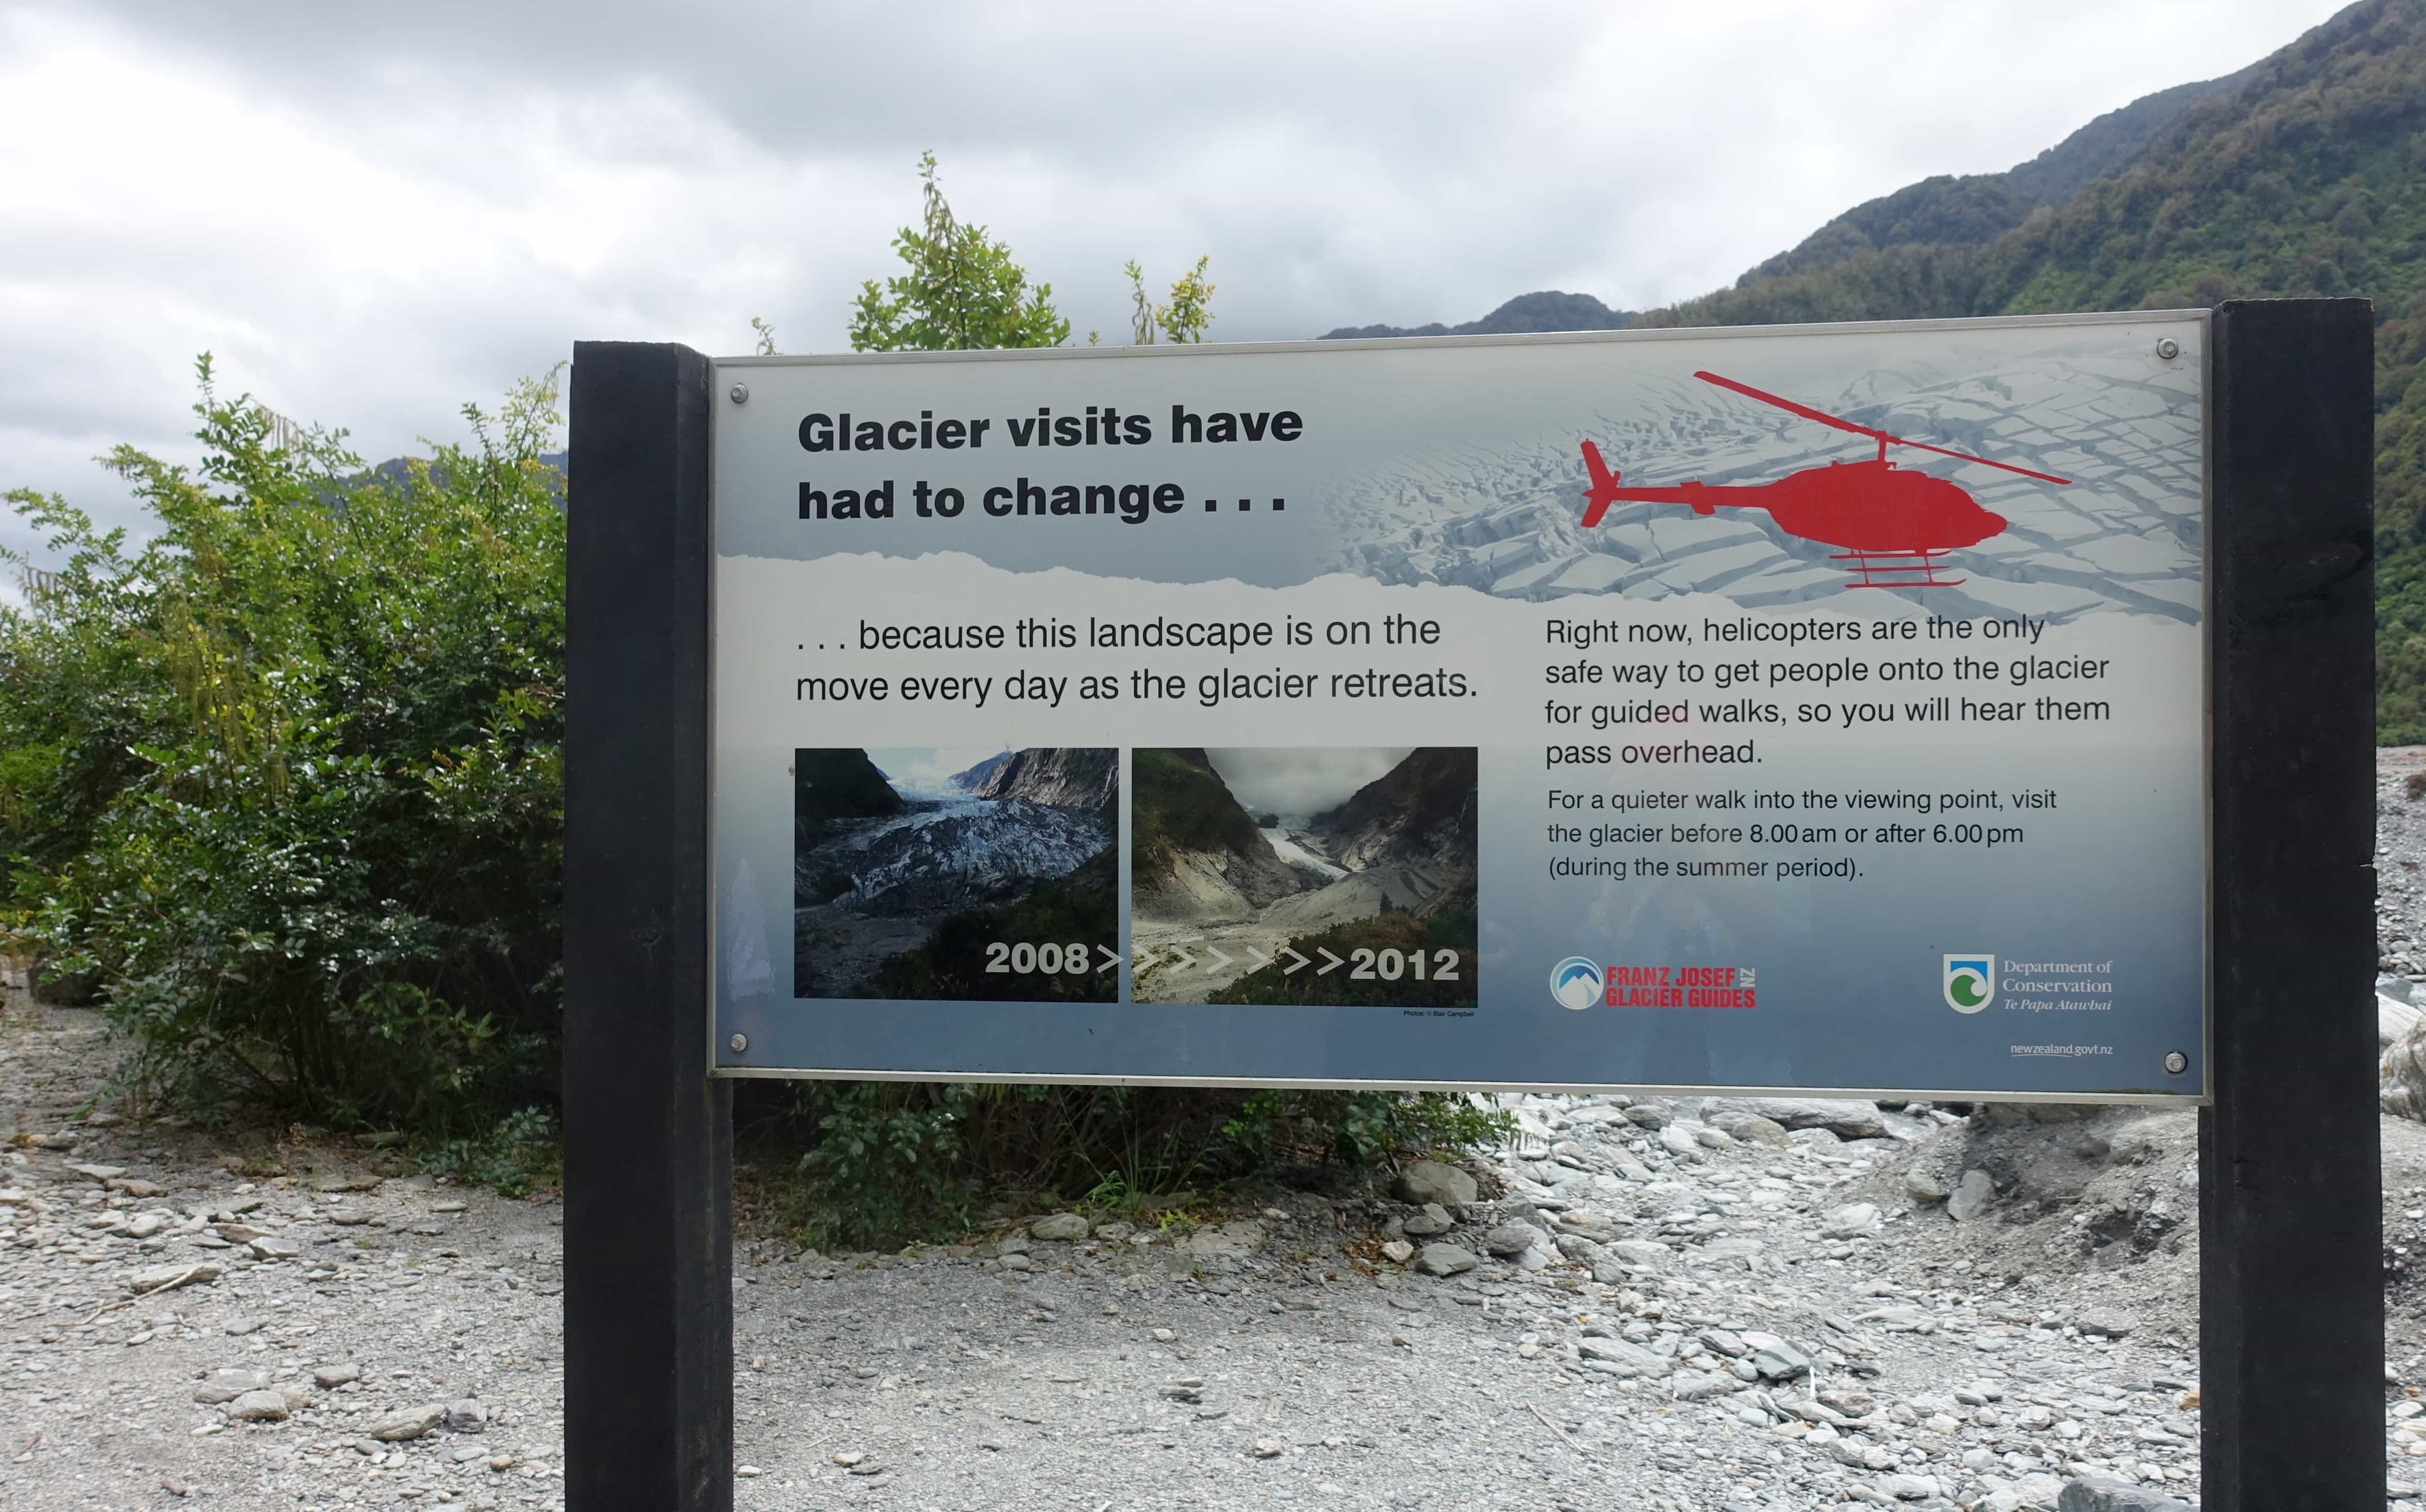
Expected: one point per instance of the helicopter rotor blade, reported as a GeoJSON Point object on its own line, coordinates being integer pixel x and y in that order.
{"type": "Point", "coordinates": [1804, 409]}
{"type": "Point", "coordinates": [2044, 478]}
{"type": "Point", "coordinates": [1826, 419]}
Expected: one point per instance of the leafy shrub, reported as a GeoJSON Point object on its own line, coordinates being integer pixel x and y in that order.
{"type": "Point", "coordinates": [894, 1161]}
{"type": "Point", "coordinates": [287, 778]}
{"type": "Point", "coordinates": [287, 775]}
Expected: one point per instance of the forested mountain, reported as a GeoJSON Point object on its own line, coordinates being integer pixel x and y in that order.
{"type": "Point", "coordinates": [2305, 173]}
{"type": "Point", "coordinates": [1548, 309]}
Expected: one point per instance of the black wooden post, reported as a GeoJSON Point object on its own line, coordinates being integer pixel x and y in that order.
{"type": "Point", "coordinates": [2291, 1231]}
{"type": "Point", "coordinates": [647, 1136]}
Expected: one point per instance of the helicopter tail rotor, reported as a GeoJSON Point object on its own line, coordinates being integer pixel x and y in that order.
{"type": "Point", "coordinates": [1603, 491]}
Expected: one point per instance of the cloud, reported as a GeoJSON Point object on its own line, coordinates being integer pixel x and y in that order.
{"type": "Point", "coordinates": [1301, 783]}
{"type": "Point", "coordinates": [374, 213]}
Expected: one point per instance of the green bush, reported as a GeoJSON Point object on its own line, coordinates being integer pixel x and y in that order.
{"type": "Point", "coordinates": [889, 1162]}
{"type": "Point", "coordinates": [287, 775]}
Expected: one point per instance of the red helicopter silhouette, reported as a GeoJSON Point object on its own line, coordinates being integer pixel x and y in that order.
{"type": "Point", "coordinates": [1893, 523]}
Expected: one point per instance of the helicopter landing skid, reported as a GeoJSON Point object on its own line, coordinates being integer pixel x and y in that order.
{"type": "Point", "coordinates": [1896, 569]}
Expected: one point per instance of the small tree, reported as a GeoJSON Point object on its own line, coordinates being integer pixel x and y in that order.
{"type": "Point", "coordinates": [1184, 320]}
{"type": "Point", "coordinates": [962, 290]}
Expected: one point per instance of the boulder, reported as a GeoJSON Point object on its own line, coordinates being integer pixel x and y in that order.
{"type": "Point", "coordinates": [1509, 1240]}
{"type": "Point", "coordinates": [2103, 1493]}
{"type": "Point", "coordinates": [1445, 1259]}
{"type": "Point", "coordinates": [1429, 1181]}
{"type": "Point", "coordinates": [411, 1423]}
{"type": "Point", "coordinates": [1778, 1360]}
{"type": "Point", "coordinates": [1622, 1357]}
{"type": "Point", "coordinates": [2403, 1067]}
{"type": "Point", "coordinates": [467, 1414]}
{"type": "Point", "coordinates": [259, 1407]}
{"type": "Point", "coordinates": [1648, 1253]}
{"type": "Point", "coordinates": [1061, 1228]}
{"type": "Point", "coordinates": [1398, 1251]}
{"type": "Point", "coordinates": [1429, 1220]}
{"type": "Point", "coordinates": [1923, 1188]}
{"type": "Point", "coordinates": [1845, 1118]}
{"type": "Point", "coordinates": [1752, 1129]}
{"type": "Point", "coordinates": [2108, 1322]}
{"type": "Point", "coordinates": [1973, 1195]}
{"type": "Point", "coordinates": [224, 1386]}
{"type": "Point", "coordinates": [1853, 1219]}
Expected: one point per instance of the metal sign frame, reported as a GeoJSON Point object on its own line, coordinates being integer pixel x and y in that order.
{"type": "Point", "coordinates": [2291, 1306]}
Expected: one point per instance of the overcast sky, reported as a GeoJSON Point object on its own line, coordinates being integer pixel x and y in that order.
{"type": "Point", "coordinates": [1299, 784]}
{"type": "Point", "coordinates": [372, 214]}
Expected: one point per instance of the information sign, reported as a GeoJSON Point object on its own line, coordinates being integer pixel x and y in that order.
{"type": "Point", "coordinates": [1767, 710]}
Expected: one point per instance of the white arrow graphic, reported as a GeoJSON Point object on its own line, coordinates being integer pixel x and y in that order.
{"type": "Point", "coordinates": [1295, 961]}
{"type": "Point", "coordinates": [1145, 957]}
{"type": "Point", "coordinates": [1187, 961]}
{"type": "Point", "coordinates": [1334, 962]}
{"type": "Point", "coordinates": [1111, 959]}
{"type": "Point", "coordinates": [1219, 958]}
{"type": "Point", "coordinates": [1262, 960]}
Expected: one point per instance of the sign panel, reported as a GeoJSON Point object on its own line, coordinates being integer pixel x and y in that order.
{"type": "Point", "coordinates": [1816, 709]}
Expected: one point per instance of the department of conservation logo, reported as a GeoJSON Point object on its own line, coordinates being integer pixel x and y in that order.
{"type": "Point", "coordinates": [1576, 983]}
{"type": "Point", "coordinates": [1971, 982]}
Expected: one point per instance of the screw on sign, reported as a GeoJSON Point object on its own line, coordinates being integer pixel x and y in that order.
{"type": "Point", "coordinates": [1894, 523]}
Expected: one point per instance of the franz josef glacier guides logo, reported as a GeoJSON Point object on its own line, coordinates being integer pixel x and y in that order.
{"type": "Point", "coordinates": [1576, 983]}
{"type": "Point", "coordinates": [1971, 982]}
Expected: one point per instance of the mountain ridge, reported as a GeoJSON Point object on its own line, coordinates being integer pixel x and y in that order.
{"type": "Point", "coordinates": [2303, 173]}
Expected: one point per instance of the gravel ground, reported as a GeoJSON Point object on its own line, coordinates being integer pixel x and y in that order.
{"type": "Point", "coordinates": [1678, 1304]}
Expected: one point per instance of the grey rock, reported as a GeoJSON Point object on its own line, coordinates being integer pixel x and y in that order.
{"type": "Point", "coordinates": [1445, 1259]}
{"type": "Point", "coordinates": [1678, 1140]}
{"type": "Point", "coordinates": [1061, 1228]}
{"type": "Point", "coordinates": [238, 1327]}
{"type": "Point", "coordinates": [1398, 1251]}
{"type": "Point", "coordinates": [1649, 1115]}
{"type": "Point", "coordinates": [259, 1407]}
{"type": "Point", "coordinates": [1695, 1386]}
{"type": "Point", "coordinates": [1924, 1188]}
{"type": "Point", "coordinates": [1780, 1362]}
{"type": "Point", "coordinates": [1429, 1181]}
{"type": "Point", "coordinates": [1643, 1252]}
{"type": "Point", "coordinates": [1972, 1196]}
{"type": "Point", "coordinates": [1721, 1341]}
{"type": "Point", "coordinates": [1429, 1220]}
{"type": "Point", "coordinates": [410, 1423]}
{"type": "Point", "coordinates": [224, 1386]}
{"type": "Point", "coordinates": [169, 1278]}
{"type": "Point", "coordinates": [1847, 1119]}
{"type": "Point", "coordinates": [1730, 1247]}
{"type": "Point", "coordinates": [328, 1377]}
{"type": "Point", "coordinates": [2112, 1323]}
{"type": "Point", "coordinates": [1509, 1240]}
{"type": "Point", "coordinates": [2103, 1493]}
{"type": "Point", "coordinates": [467, 1414]}
{"type": "Point", "coordinates": [1754, 1130]}
{"type": "Point", "coordinates": [1579, 1248]}
{"type": "Point", "coordinates": [1909, 1487]}
{"type": "Point", "coordinates": [1853, 1219]}
{"type": "Point", "coordinates": [270, 1246]}
{"type": "Point", "coordinates": [1628, 1358]}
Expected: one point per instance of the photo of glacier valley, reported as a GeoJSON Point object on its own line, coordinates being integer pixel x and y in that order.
{"type": "Point", "coordinates": [942, 874]}
{"type": "Point", "coordinates": [1317, 876]}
